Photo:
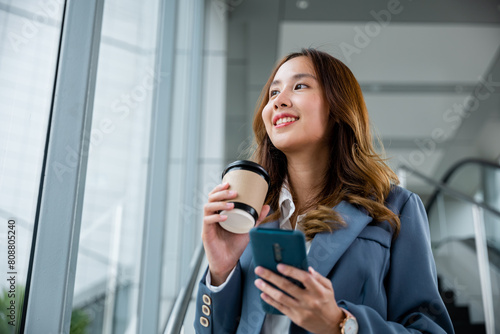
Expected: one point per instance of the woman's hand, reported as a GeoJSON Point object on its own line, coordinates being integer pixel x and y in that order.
{"type": "Point", "coordinates": [313, 308]}
{"type": "Point", "coordinates": [223, 248]}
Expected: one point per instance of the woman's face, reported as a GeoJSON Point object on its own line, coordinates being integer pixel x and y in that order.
{"type": "Point", "coordinates": [296, 116]}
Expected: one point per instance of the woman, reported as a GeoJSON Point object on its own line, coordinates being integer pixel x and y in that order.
{"type": "Point", "coordinates": [370, 257]}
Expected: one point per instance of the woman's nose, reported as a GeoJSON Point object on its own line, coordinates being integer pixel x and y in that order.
{"type": "Point", "coordinates": [282, 101]}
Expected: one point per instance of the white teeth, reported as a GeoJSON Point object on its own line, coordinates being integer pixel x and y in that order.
{"type": "Point", "coordinates": [285, 120]}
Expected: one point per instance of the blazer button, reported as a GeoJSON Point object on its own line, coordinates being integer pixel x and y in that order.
{"type": "Point", "coordinates": [206, 299]}
{"type": "Point", "coordinates": [206, 310]}
{"type": "Point", "coordinates": [204, 321]}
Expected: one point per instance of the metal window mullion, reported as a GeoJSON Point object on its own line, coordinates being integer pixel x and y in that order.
{"type": "Point", "coordinates": [189, 240]}
{"type": "Point", "coordinates": [156, 196]}
{"type": "Point", "coordinates": [55, 247]}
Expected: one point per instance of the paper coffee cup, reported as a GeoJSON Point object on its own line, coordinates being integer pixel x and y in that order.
{"type": "Point", "coordinates": [251, 181]}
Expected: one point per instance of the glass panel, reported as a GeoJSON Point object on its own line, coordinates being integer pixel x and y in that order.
{"type": "Point", "coordinates": [454, 247]}
{"type": "Point", "coordinates": [29, 45]}
{"type": "Point", "coordinates": [491, 190]}
{"type": "Point", "coordinates": [483, 184]}
{"type": "Point", "coordinates": [492, 229]}
{"type": "Point", "coordinates": [450, 219]}
{"type": "Point", "coordinates": [186, 200]}
{"type": "Point", "coordinates": [179, 215]}
{"type": "Point", "coordinates": [109, 260]}
{"type": "Point", "coordinates": [467, 180]}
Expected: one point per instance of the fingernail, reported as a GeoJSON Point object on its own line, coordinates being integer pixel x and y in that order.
{"type": "Point", "coordinates": [232, 192]}
{"type": "Point", "coordinates": [222, 216]}
{"type": "Point", "coordinates": [258, 270]}
{"type": "Point", "coordinates": [229, 205]}
{"type": "Point", "coordinates": [280, 267]}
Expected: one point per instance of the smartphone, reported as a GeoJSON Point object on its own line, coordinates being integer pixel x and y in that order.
{"type": "Point", "coordinates": [273, 246]}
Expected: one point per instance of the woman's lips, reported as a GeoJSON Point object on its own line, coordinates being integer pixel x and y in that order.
{"type": "Point", "coordinates": [284, 121]}
{"type": "Point", "coordinates": [279, 116]}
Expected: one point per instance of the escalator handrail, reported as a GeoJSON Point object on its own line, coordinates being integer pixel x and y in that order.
{"type": "Point", "coordinates": [450, 191]}
{"type": "Point", "coordinates": [451, 171]}
{"type": "Point", "coordinates": [176, 318]}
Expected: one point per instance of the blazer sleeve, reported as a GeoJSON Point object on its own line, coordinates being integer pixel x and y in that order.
{"type": "Point", "coordinates": [219, 312]}
{"type": "Point", "coordinates": [414, 304]}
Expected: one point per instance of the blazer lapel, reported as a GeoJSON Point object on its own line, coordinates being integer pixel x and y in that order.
{"type": "Point", "coordinates": [327, 248]}
{"type": "Point", "coordinates": [325, 251]}
{"type": "Point", "coordinates": [251, 301]}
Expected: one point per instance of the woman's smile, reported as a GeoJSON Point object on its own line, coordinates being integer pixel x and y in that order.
{"type": "Point", "coordinates": [296, 115]}
{"type": "Point", "coordinates": [282, 120]}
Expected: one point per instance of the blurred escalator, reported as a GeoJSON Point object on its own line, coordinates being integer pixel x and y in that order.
{"type": "Point", "coordinates": [464, 220]}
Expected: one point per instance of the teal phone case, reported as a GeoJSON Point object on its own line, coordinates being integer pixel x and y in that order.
{"type": "Point", "coordinates": [273, 246]}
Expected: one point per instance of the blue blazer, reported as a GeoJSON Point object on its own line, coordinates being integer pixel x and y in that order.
{"type": "Point", "coordinates": [390, 286]}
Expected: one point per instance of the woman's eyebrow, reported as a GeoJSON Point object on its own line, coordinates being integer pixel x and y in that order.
{"type": "Point", "coordinates": [296, 77]}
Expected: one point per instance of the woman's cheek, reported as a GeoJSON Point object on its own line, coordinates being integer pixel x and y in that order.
{"type": "Point", "coordinates": [266, 116]}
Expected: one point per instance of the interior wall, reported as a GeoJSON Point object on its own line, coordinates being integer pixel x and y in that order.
{"type": "Point", "coordinates": [252, 51]}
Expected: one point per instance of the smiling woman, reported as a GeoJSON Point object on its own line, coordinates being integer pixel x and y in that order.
{"type": "Point", "coordinates": [296, 113]}
{"type": "Point", "coordinates": [371, 267]}
{"type": "Point", "coordinates": [335, 135]}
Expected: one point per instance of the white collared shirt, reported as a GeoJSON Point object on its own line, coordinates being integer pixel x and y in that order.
{"type": "Point", "coordinates": [274, 323]}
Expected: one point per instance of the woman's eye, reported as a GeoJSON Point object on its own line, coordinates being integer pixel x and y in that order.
{"type": "Point", "coordinates": [300, 86]}
{"type": "Point", "coordinates": [273, 92]}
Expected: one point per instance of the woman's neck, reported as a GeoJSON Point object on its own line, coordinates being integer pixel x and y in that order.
{"type": "Point", "coordinates": [306, 177]}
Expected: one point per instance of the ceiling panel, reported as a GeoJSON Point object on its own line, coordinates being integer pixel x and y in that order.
{"type": "Point", "coordinates": [457, 11]}
{"type": "Point", "coordinates": [407, 116]}
{"type": "Point", "coordinates": [400, 52]}
{"type": "Point", "coordinates": [423, 161]}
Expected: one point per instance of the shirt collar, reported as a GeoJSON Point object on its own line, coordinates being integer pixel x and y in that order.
{"type": "Point", "coordinates": [287, 208]}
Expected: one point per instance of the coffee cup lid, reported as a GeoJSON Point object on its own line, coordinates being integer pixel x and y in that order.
{"type": "Point", "coordinates": [247, 165]}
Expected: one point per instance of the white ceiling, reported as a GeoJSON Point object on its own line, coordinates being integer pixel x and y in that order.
{"type": "Point", "coordinates": [409, 116]}
{"type": "Point", "coordinates": [401, 52]}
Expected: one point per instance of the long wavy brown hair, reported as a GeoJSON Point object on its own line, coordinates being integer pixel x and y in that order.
{"type": "Point", "coordinates": [356, 173]}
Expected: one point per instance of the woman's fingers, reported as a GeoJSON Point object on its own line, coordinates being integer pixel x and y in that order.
{"type": "Point", "coordinates": [268, 299]}
{"type": "Point", "coordinates": [213, 207]}
{"type": "Point", "coordinates": [216, 203]}
{"type": "Point", "coordinates": [222, 195]}
{"type": "Point", "coordinates": [298, 274]}
{"type": "Point", "coordinates": [212, 219]}
{"type": "Point", "coordinates": [219, 187]}
{"type": "Point", "coordinates": [325, 282]}
{"type": "Point", "coordinates": [312, 280]}
{"type": "Point", "coordinates": [279, 281]}
{"type": "Point", "coordinates": [275, 294]}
